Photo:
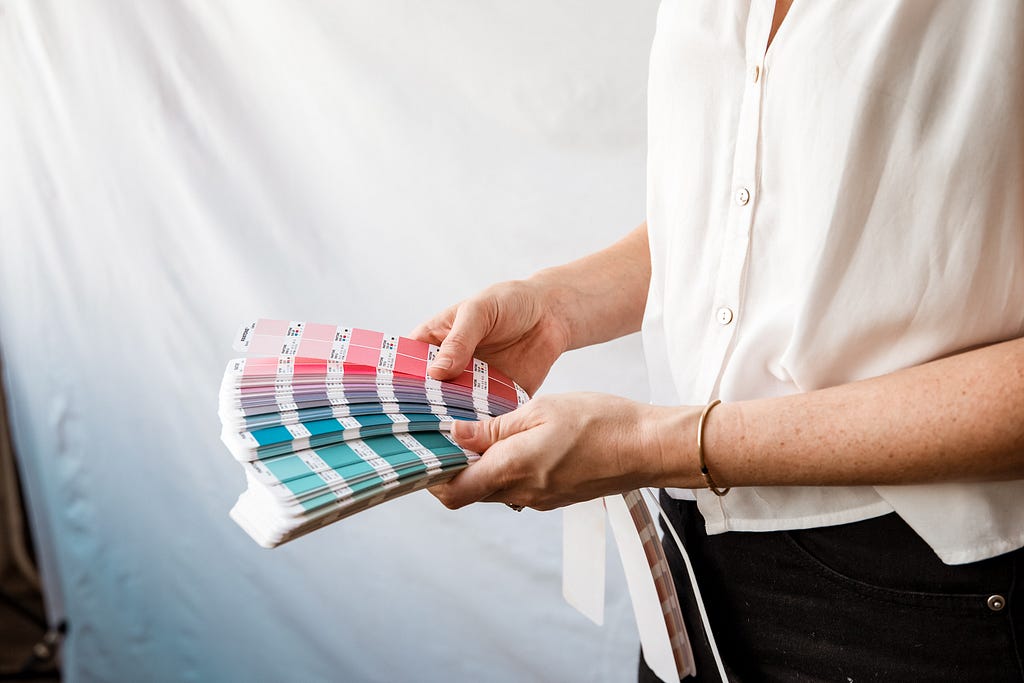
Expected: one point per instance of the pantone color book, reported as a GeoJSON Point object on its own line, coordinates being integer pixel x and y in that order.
{"type": "Point", "coordinates": [327, 421]}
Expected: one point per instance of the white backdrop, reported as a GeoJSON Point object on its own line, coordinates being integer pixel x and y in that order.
{"type": "Point", "coordinates": [170, 169]}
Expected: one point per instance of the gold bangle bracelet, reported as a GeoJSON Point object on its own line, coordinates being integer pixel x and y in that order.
{"type": "Point", "coordinates": [708, 481]}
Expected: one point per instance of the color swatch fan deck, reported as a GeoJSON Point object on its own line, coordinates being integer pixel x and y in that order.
{"type": "Point", "coordinates": [327, 421]}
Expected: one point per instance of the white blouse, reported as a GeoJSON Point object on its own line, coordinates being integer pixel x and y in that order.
{"type": "Point", "coordinates": [845, 204]}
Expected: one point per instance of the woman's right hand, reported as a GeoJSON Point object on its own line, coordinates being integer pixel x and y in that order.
{"type": "Point", "coordinates": [511, 325]}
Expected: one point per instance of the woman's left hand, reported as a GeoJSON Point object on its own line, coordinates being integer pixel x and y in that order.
{"type": "Point", "coordinates": [562, 449]}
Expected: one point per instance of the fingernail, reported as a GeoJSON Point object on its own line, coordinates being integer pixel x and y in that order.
{"type": "Point", "coordinates": [464, 429]}
{"type": "Point", "coordinates": [442, 363]}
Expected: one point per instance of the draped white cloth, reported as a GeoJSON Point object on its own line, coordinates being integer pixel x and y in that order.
{"type": "Point", "coordinates": [170, 169]}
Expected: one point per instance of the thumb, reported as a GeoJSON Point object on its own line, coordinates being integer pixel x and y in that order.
{"type": "Point", "coordinates": [478, 436]}
{"type": "Point", "coordinates": [485, 477]}
{"type": "Point", "coordinates": [468, 328]}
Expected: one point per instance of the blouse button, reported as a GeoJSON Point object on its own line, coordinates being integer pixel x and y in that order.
{"type": "Point", "coordinates": [742, 196]}
{"type": "Point", "coordinates": [755, 73]}
{"type": "Point", "coordinates": [724, 317]}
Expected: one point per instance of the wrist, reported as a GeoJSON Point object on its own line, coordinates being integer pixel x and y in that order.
{"type": "Point", "coordinates": [670, 446]}
{"type": "Point", "coordinates": [560, 304]}
{"type": "Point", "coordinates": [676, 445]}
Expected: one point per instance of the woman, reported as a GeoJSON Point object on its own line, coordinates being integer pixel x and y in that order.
{"type": "Point", "coordinates": [830, 282]}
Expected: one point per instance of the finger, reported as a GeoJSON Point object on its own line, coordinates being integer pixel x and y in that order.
{"type": "Point", "coordinates": [499, 439]}
{"type": "Point", "coordinates": [480, 435]}
{"type": "Point", "coordinates": [461, 491]}
{"type": "Point", "coordinates": [434, 330]}
{"type": "Point", "coordinates": [513, 482]}
{"type": "Point", "coordinates": [479, 481]}
{"type": "Point", "coordinates": [470, 325]}
{"type": "Point", "coordinates": [445, 496]}
{"type": "Point", "coordinates": [485, 476]}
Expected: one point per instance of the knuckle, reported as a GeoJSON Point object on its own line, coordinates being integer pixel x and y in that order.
{"type": "Point", "coordinates": [456, 342]}
{"type": "Point", "coordinates": [542, 406]}
{"type": "Point", "coordinates": [499, 290]}
{"type": "Point", "coordinates": [510, 480]}
{"type": "Point", "coordinates": [444, 495]}
{"type": "Point", "coordinates": [534, 500]}
{"type": "Point", "coordinates": [425, 333]}
{"type": "Point", "coordinates": [504, 479]}
{"type": "Point", "coordinates": [495, 429]}
{"type": "Point", "coordinates": [483, 308]}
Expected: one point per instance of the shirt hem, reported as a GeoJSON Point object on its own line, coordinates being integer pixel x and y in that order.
{"type": "Point", "coordinates": [859, 514]}
{"type": "Point", "coordinates": [960, 555]}
{"type": "Point", "coordinates": [951, 555]}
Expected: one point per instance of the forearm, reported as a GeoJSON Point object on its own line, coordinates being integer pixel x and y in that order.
{"type": "Point", "coordinates": [956, 419]}
{"type": "Point", "coordinates": [601, 296]}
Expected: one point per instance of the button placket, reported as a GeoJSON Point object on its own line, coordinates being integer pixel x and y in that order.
{"type": "Point", "coordinates": [726, 307]}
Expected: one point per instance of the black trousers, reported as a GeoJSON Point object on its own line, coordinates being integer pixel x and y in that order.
{"type": "Point", "coordinates": [868, 601]}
